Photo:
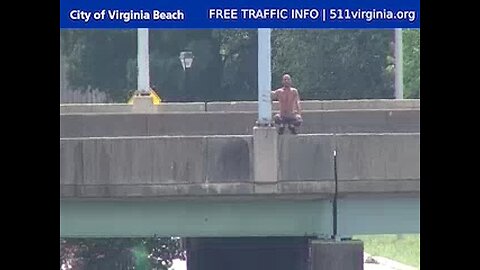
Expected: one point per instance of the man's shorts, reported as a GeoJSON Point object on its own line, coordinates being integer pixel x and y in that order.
{"type": "Point", "coordinates": [295, 120]}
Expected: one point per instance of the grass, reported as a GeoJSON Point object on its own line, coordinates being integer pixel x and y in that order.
{"type": "Point", "coordinates": [401, 248]}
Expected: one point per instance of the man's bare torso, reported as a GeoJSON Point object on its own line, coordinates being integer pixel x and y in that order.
{"type": "Point", "coordinates": [287, 99]}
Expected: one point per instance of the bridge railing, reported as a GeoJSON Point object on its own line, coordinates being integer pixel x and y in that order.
{"type": "Point", "coordinates": [179, 166]}
{"type": "Point", "coordinates": [234, 123]}
{"type": "Point", "coordinates": [242, 106]}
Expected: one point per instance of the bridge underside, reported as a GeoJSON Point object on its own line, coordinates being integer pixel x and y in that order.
{"type": "Point", "coordinates": [255, 217]}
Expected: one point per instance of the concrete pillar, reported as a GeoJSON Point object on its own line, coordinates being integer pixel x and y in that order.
{"type": "Point", "coordinates": [264, 77]}
{"type": "Point", "coordinates": [252, 253]}
{"type": "Point", "coordinates": [143, 104]}
{"type": "Point", "coordinates": [336, 255]}
{"type": "Point", "coordinates": [143, 60]}
{"type": "Point", "coordinates": [193, 249]}
{"type": "Point", "coordinates": [265, 158]}
{"type": "Point", "coordinates": [398, 64]}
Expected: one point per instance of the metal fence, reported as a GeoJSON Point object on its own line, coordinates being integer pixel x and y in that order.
{"type": "Point", "coordinates": [68, 95]}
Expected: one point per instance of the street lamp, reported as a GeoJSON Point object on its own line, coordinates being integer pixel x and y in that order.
{"type": "Point", "coordinates": [223, 55]}
{"type": "Point", "coordinates": [143, 59]}
{"type": "Point", "coordinates": [186, 58]}
{"type": "Point", "coordinates": [264, 77]}
{"type": "Point", "coordinates": [398, 64]}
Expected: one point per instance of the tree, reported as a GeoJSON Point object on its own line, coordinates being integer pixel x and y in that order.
{"type": "Point", "coordinates": [98, 59]}
{"type": "Point", "coordinates": [239, 49]}
{"type": "Point", "coordinates": [164, 250]}
{"type": "Point", "coordinates": [325, 64]}
{"type": "Point", "coordinates": [329, 64]}
{"type": "Point", "coordinates": [411, 63]}
{"type": "Point", "coordinates": [106, 60]}
{"type": "Point", "coordinates": [120, 253]}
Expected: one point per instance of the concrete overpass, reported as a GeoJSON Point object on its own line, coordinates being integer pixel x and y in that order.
{"type": "Point", "coordinates": [212, 178]}
{"type": "Point", "coordinates": [233, 123]}
{"type": "Point", "coordinates": [239, 106]}
{"type": "Point", "coordinates": [215, 182]}
{"type": "Point", "coordinates": [377, 116]}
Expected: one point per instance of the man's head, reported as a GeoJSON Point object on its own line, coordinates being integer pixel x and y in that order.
{"type": "Point", "coordinates": [286, 80]}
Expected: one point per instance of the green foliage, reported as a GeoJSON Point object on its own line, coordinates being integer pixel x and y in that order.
{"type": "Point", "coordinates": [325, 64]}
{"type": "Point", "coordinates": [121, 253]}
{"type": "Point", "coordinates": [238, 49]}
{"type": "Point", "coordinates": [141, 257]}
{"type": "Point", "coordinates": [411, 63]}
{"type": "Point", "coordinates": [401, 248]}
{"type": "Point", "coordinates": [345, 64]}
{"type": "Point", "coordinates": [98, 59]}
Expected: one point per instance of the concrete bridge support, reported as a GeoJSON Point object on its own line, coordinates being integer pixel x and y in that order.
{"type": "Point", "coordinates": [336, 255]}
{"type": "Point", "coordinates": [299, 253]}
{"type": "Point", "coordinates": [279, 253]}
{"type": "Point", "coordinates": [253, 253]}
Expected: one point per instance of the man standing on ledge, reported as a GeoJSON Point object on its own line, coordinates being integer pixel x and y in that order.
{"type": "Point", "coordinates": [289, 101]}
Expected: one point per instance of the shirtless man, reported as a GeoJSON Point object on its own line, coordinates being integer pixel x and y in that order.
{"type": "Point", "coordinates": [289, 101]}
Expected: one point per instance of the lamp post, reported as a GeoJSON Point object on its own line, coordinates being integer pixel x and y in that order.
{"type": "Point", "coordinates": [186, 58]}
{"type": "Point", "coordinates": [264, 77]}
{"type": "Point", "coordinates": [143, 79]}
{"type": "Point", "coordinates": [398, 64]}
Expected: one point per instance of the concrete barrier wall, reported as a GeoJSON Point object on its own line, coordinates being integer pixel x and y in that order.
{"type": "Point", "coordinates": [359, 121]}
{"type": "Point", "coordinates": [126, 108]}
{"type": "Point", "coordinates": [103, 125]}
{"type": "Point", "coordinates": [223, 165]}
{"type": "Point", "coordinates": [306, 158]}
{"type": "Point", "coordinates": [305, 164]}
{"type": "Point", "coordinates": [153, 166]}
{"type": "Point", "coordinates": [236, 106]}
{"type": "Point", "coordinates": [366, 163]}
{"type": "Point", "coordinates": [229, 159]}
{"type": "Point", "coordinates": [234, 123]}
{"type": "Point", "coordinates": [133, 161]}
{"type": "Point", "coordinates": [201, 124]}
{"type": "Point", "coordinates": [371, 163]}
